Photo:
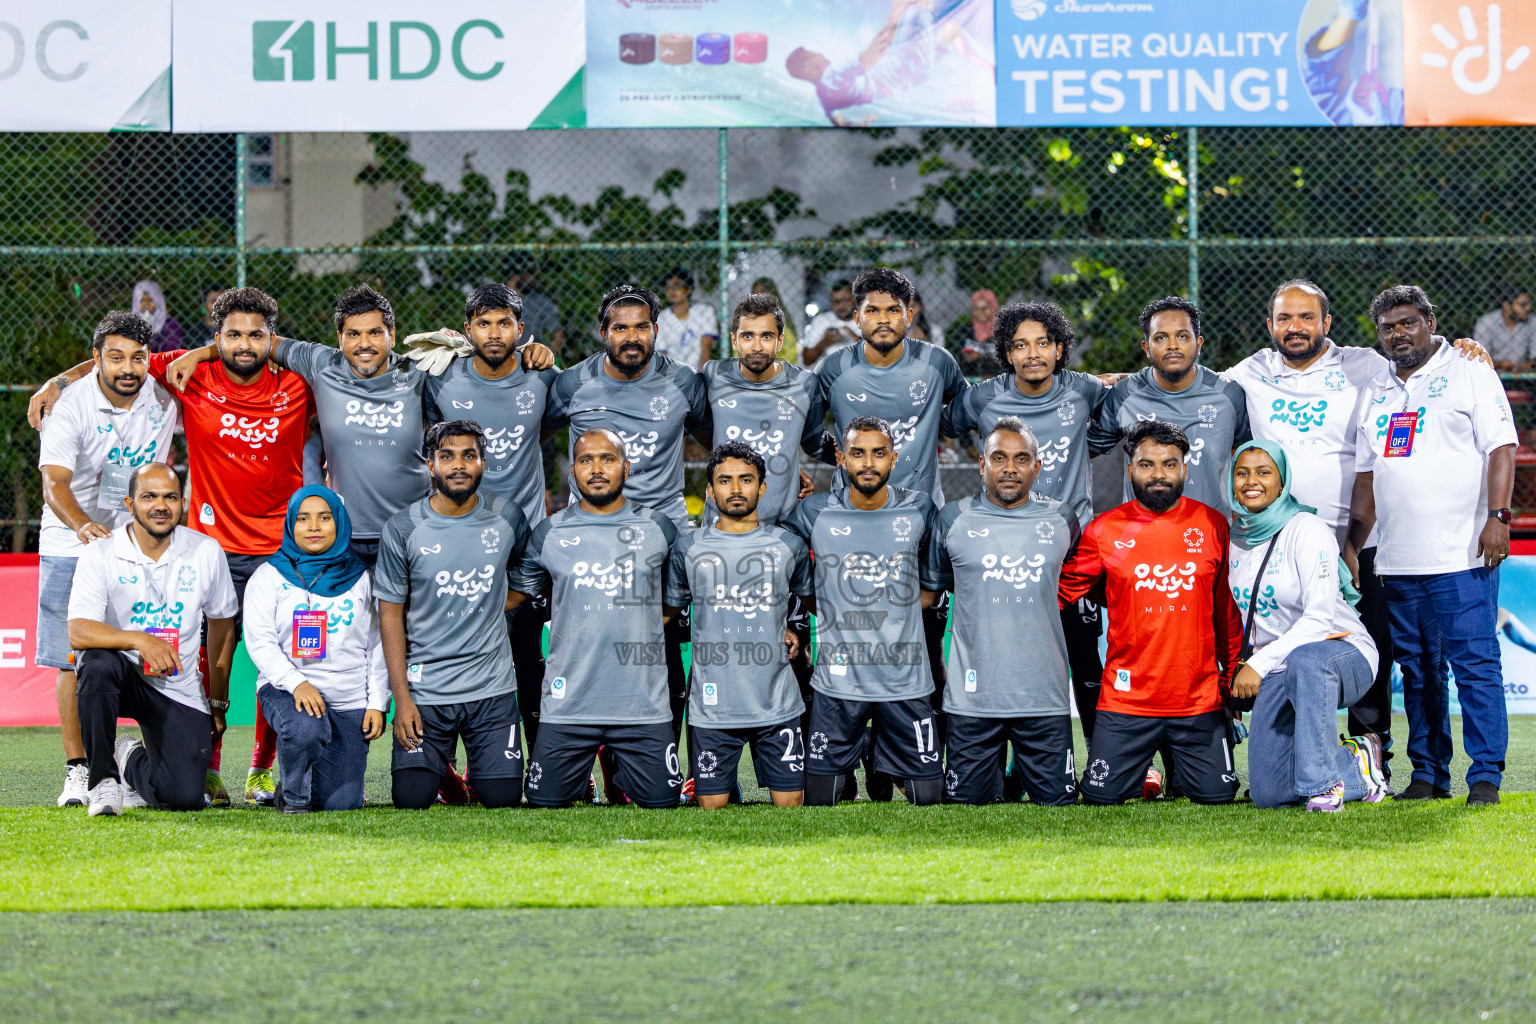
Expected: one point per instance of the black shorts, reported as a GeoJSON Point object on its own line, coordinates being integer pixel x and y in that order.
{"type": "Point", "coordinates": [976, 748]}
{"type": "Point", "coordinates": [778, 757]}
{"type": "Point", "coordinates": [493, 739]}
{"type": "Point", "coordinates": [1122, 749]}
{"type": "Point", "coordinates": [906, 741]}
{"type": "Point", "coordinates": [646, 756]}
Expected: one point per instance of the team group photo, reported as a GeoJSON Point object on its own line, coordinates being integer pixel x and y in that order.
{"type": "Point", "coordinates": [714, 499]}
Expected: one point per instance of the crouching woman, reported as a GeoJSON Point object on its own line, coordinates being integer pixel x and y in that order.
{"type": "Point", "coordinates": [313, 632]}
{"type": "Point", "coordinates": [1306, 653]}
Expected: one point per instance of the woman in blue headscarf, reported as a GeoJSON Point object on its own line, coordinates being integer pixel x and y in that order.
{"type": "Point", "coordinates": [1305, 652]}
{"type": "Point", "coordinates": [313, 632]}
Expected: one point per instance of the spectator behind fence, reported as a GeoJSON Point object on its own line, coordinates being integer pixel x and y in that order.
{"type": "Point", "coordinates": [1508, 332]}
{"type": "Point", "coordinates": [1436, 465]}
{"type": "Point", "coordinates": [149, 302]}
{"type": "Point", "coordinates": [686, 330]}
{"type": "Point", "coordinates": [972, 341]}
{"type": "Point", "coordinates": [540, 316]}
{"type": "Point", "coordinates": [831, 329]}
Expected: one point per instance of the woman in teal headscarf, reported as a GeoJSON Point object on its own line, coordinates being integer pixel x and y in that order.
{"type": "Point", "coordinates": [1306, 653]}
{"type": "Point", "coordinates": [312, 629]}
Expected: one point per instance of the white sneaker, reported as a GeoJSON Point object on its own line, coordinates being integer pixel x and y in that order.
{"type": "Point", "coordinates": [121, 748]}
{"type": "Point", "coordinates": [76, 786]}
{"type": "Point", "coordinates": [106, 798]}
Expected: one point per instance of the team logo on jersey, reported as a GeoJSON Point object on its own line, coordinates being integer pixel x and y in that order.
{"type": "Point", "coordinates": [253, 430]}
{"type": "Point", "coordinates": [708, 762]}
{"type": "Point", "coordinates": [901, 526]}
{"type": "Point", "coordinates": [978, 533]}
{"type": "Point", "coordinates": [1067, 413]}
{"type": "Point", "coordinates": [1437, 386]}
{"type": "Point", "coordinates": [1016, 571]}
{"type": "Point", "coordinates": [861, 396]}
{"type": "Point", "coordinates": [1045, 531]}
{"type": "Point", "coordinates": [659, 407]}
{"type": "Point", "coordinates": [1334, 380]}
{"type": "Point", "coordinates": [818, 743]}
{"type": "Point", "coordinates": [525, 401]}
{"type": "Point", "coordinates": [186, 579]}
{"type": "Point", "coordinates": [632, 536]}
{"type": "Point", "coordinates": [156, 414]}
{"type": "Point", "coordinates": [1098, 771]}
{"type": "Point", "coordinates": [205, 514]}
{"type": "Point", "coordinates": [471, 584]}
{"type": "Point", "coordinates": [402, 380]}
{"type": "Point", "coordinates": [1193, 539]}
{"type": "Point", "coordinates": [1166, 579]}
{"type": "Point", "coordinates": [1208, 414]}
{"type": "Point", "coordinates": [569, 543]}
{"type": "Point", "coordinates": [842, 531]}
{"type": "Point", "coordinates": [435, 549]}
{"type": "Point", "coordinates": [918, 390]}
{"type": "Point", "coordinates": [1148, 418]}
{"type": "Point", "coordinates": [491, 538]}
{"type": "Point", "coordinates": [104, 430]}
{"type": "Point", "coordinates": [128, 580]}
{"type": "Point", "coordinates": [280, 401]}
{"type": "Point", "coordinates": [463, 405]}
{"type": "Point", "coordinates": [379, 417]}
{"type": "Point", "coordinates": [535, 773]}
{"type": "Point", "coordinates": [726, 403]}
{"type": "Point", "coordinates": [1301, 415]}
{"type": "Point", "coordinates": [1125, 544]}
{"type": "Point", "coordinates": [786, 409]}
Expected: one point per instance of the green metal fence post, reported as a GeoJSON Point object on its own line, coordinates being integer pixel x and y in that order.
{"type": "Point", "coordinates": [1192, 186]}
{"type": "Point", "coordinates": [240, 210]}
{"type": "Point", "coordinates": [723, 346]}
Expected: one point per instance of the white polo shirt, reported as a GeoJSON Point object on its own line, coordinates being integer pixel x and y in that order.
{"type": "Point", "coordinates": [1432, 504]}
{"type": "Point", "coordinates": [1314, 415]}
{"type": "Point", "coordinates": [1298, 600]}
{"type": "Point", "coordinates": [84, 433]}
{"type": "Point", "coordinates": [117, 584]}
{"type": "Point", "coordinates": [823, 322]}
{"type": "Point", "coordinates": [682, 339]}
{"type": "Point", "coordinates": [351, 676]}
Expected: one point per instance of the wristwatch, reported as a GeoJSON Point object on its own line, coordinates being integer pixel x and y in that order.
{"type": "Point", "coordinates": [1503, 515]}
{"type": "Point", "coordinates": [218, 705]}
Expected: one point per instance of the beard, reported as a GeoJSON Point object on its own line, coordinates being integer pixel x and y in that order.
{"type": "Point", "coordinates": [758, 362]}
{"type": "Point", "coordinates": [869, 491]}
{"type": "Point", "coordinates": [630, 357]}
{"type": "Point", "coordinates": [496, 362]}
{"type": "Point", "coordinates": [125, 384]}
{"type": "Point", "coordinates": [1158, 498]}
{"type": "Point", "coordinates": [155, 530]}
{"type": "Point", "coordinates": [885, 345]}
{"type": "Point", "coordinates": [458, 494]}
{"type": "Point", "coordinates": [601, 495]}
{"type": "Point", "coordinates": [237, 368]}
{"type": "Point", "coordinates": [1313, 348]}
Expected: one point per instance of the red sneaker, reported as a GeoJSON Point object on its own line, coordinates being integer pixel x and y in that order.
{"type": "Point", "coordinates": [1152, 788]}
{"type": "Point", "coordinates": [454, 789]}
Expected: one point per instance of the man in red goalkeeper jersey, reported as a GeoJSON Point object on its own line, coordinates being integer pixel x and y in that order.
{"type": "Point", "coordinates": [1159, 566]}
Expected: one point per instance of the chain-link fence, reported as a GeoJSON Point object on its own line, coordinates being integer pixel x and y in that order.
{"type": "Point", "coordinates": [1099, 220]}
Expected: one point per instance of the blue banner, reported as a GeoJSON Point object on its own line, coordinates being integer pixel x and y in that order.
{"type": "Point", "coordinates": [1198, 62]}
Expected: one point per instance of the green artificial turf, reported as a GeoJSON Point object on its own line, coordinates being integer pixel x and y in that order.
{"type": "Point", "coordinates": [857, 853]}
{"type": "Point", "coordinates": [1462, 960]}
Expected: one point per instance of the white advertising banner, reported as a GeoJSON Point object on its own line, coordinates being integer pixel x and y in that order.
{"type": "Point", "coordinates": [388, 65]}
{"type": "Point", "coordinates": [85, 65]}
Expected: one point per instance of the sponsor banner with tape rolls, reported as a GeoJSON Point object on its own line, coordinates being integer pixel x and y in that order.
{"type": "Point", "coordinates": [697, 63]}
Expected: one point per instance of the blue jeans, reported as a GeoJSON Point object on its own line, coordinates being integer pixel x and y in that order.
{"type": "Point", "coordinates": [322, 761]}
{"type": "Point", "coordinates": [55, 579]}
{"type": "Point", "coordinates": [1293, 746]}
{"type": "Point", "coordinates": [1450, 617]}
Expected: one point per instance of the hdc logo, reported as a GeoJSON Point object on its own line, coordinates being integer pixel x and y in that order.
{"type": "Point", "coordinates": [284, 51]}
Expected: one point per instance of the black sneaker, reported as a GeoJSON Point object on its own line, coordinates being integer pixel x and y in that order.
{"type": "Point", "coordinates": [1483, 793]}
{"type": "Point", "coordinates": [1418, 789]}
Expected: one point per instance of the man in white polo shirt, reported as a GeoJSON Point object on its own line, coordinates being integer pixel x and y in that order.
{"type": "Point", "coordinates": [136, 611]}
{"type": "Point", "coordinates": [92, 441]}
{"type": "Point", "coordinates": [1305, 393]}
{"type": "Point", "coordinates": [1435, 453]}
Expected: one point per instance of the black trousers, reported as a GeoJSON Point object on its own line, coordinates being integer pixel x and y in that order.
{"type": "Point", "coordinates": [525, 628]}
{"type": "Point", "coordinates": [1373, 712]}
{"type": "Point", "coordinates": [676, 633]}
{"type": "Point", "coordinates": [935, 619]}
{"type": "Point", "coordinates": [1081, 629]}
{"type": "Point", "coordinates": [169, 770]}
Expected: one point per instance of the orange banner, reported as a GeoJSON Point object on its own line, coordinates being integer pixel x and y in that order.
{"type": "Point", "coordinates": [1469, 62]}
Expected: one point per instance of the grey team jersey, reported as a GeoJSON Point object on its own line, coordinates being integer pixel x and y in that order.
{"type": "Point", "coordinates": [1060, 419]}
{"type": "Point", "coordinates": [910, 395]}
{"type": "Point", "coordinates": [450, 572]}
{"type": "Point", "coordinates": [1007, 653]}
{"type": "Point", "coordinates": [870, 570]}
{"type": "Point", "coordinates": [651, 414]}
{"type": "Point", "coordinates": [778, 418]}
{"type": "Point", "coordinates": [1212, 411]}
{"type": "Point", "coordinates": [606, 578]}
{"type": "Point", "coordinates": [739, 585]}
{"type": "Point", "coordinates": [372, 430]}
{"type": "Point", "coordinates": [511, 412]}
